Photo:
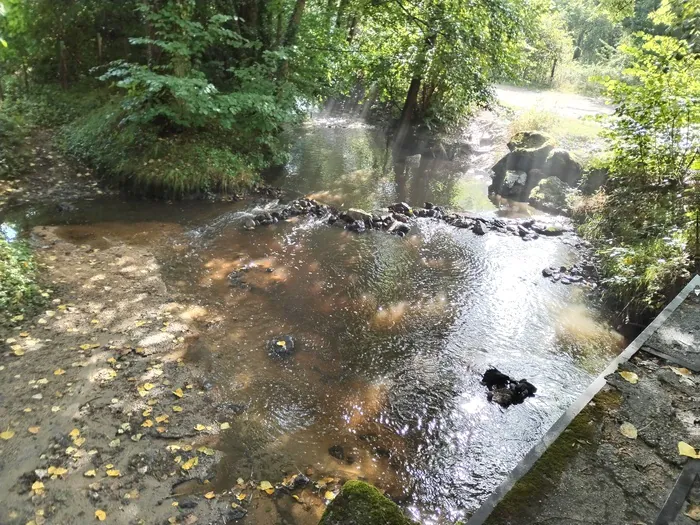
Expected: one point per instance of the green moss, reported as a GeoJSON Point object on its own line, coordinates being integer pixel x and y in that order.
{"type": "Point", "coordinates": [362, 504]}
{"type": "Point", "coordinates": [531, 141]}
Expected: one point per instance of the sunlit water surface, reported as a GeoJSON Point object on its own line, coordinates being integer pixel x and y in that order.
{"type": "Point", "coordinates": [392, 333]}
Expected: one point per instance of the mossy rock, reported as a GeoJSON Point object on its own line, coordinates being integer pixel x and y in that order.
{"type": "Point", "coordinates": [360, 503]}
{"type": "Point", "coordinates": [563, 165]}
{"type": "Point", "coordinates": [529, 150]}
{"type": "Point", "coordinates": [551, 195]}
{"type": "Point", "coordinates": [531, 141]}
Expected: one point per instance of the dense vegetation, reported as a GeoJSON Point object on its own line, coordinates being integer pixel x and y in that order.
{"type": "Point", "coordinates": [175, 97]}
{"type": "Point", "coordinates": [19, 291]}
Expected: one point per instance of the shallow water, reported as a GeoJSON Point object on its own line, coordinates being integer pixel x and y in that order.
{"type": "Point", "coordinates": [392, 333]}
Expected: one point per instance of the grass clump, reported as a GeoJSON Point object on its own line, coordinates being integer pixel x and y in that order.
{"type": "Point", "coordinates": [19, 291]}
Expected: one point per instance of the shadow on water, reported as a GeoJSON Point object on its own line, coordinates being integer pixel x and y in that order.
{"type": "Point", "coordinates": [392, 333]}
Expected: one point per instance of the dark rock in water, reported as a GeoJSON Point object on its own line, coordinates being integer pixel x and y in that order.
{"type": "Point", "coordinates": [547, 272]}
{"type": "Point", "coordinates": [399, 228]}
{"type": "Point", "coordinates": [337, 452]}
{"type": "Point", "coordinates": [230, 408]}
{"type": "Point", "coordinates": [357, 214]}
{"type": "Point", "coordinates": [478, 228]}
{"type": "Point", "coordinates": [506, 391]}
{"type": "Point", "coordinates": [550, 230]}
{"type": "Point", "coordinates": [249, 224]}
{"type": "Point", "coordinates": [563, 165]}
{"type": "Point", "coordinates": [402, 208]}
{"type": "Point", "coordinates": [428, 205]}
{"type": "Point", "coordinates": [282, 346]}
{"type": "Point", "coordinates": [237, 279]}
{"type": "Point", "coordinates": [357, 227]}
{"type": "Point", "coordinates": [401, 217]}
{"type": "Point", "coordinates": [65, 207]}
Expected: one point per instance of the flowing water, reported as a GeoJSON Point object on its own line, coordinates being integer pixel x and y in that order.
{"type": "Point", "coordinates": [393, 334]}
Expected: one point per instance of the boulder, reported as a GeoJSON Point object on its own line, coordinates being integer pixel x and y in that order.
{"type": "Point", "coordinates": [357, 214]}
{"type": "Point", "coordinates": [563, 165]}
{"type": "Point", "coordinates": [551, 195]}
{"type": "Point", "coordinates": [593, 179]}
{"type": "Point", "coordinates": [402, 208]}
{"type": "Point", "coordinates": [505, 390]}
{"type": "Point", "coordinates": [360, 503]}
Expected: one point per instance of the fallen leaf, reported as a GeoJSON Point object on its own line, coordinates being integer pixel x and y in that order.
{"type": "Point", "coordinates": [684, 372]}
{"type": "Point", "coordinates": [282, 343]}
{"type": "Point", "coordinates": [18, 351]}
{"type": "Point", "coordinates": [240, 481]}
{"type": "Point", "coordinates": [686, 450]}
{"type": "Point", "coordinates": [206, 451]}
{"type": "Point", "coordinates": [241, 497]}
{"type": "Point", "coordinates": [34, 430]}
{"type": "Point", "coordinates": [24, 334]}
{"type": "Point", "coordinates": [148, 386]}
{"type": "Point", "coordinates": [630, 377]}
{"type": "Point", "coordinates": [693, 512]}
{"type": "Point", "coordinates": [74, 433]}
{"type": "Point", "coordinates": [628, 430]}
{"type": "Point", "coordinates": [101, 515]}
{"type": "Point", "coordinates": [79, 442]}
{"type": "Point", "coordinates": [210, 495]}
{"type": "Point", "coordinates": [90, 474]}
{"type": "Point", "coordinates": [199, 427]}
{"type": "Point", "coordinates": [8, 434]}
{"type": "Point", "coordinates": [59, 372]}
{"type": "Point", "coordinates": [187, 465]}
{"type": "Point", "coordinates": [113, 473]}
{"type": "Point", "coordinates": [162, 419]}
{"type": "Point", "coordinates": [178, 392]}
{"type": "Point", "coordinates": [148, 423]}
{"type": "Point", "coordinates": [177, 408]}
{"type": "Point", "coordinates": [55, 409]}
{"type": "Point", "coordinates": [330, 496]}
{"type": "Point", "coordinates": [225, 426]}
{"type": "Point", "coordinates": [38, 487]}
{"type": "Point", "coordinates": [265, 485]}
{"type": "Point", "coordinates": [147, 412]}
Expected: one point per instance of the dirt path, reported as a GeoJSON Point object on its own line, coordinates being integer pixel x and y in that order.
{"type": "Point", "coordinates": [570, 105]}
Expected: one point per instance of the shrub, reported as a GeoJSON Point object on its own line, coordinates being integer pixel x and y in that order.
{"type": "Point", "coordinates": [19, 291]}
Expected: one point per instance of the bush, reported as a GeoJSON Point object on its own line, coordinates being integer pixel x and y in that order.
{"type": "Point", "coordinates": [19, 292]}
{"type": "Point", "coordinates": [13, 157]}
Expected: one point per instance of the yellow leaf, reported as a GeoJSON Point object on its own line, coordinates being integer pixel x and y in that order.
{"type": "Point", "coordinates": [90, 474]}
{"type": "Point", "coordinates": [686, 450]}
{"type": "Point", "coordinates": [79, 442]}
{"type": "Point", "coordinates": [34, 430]}
{"type": "Point", "coordinates": [147, 412]}
{"type": "Point", "coordinates": [330, 496]}
{"type": "Point", "coordinates": [630, 377]}
{"type": "Point", "coordinates": [101, 515]}
{"type": "Point", "coordinates": [38, 487]}
{"type": "Point", "coordinates": [55, 409]}
{"type": "Point", "coordinates": [85, 347]}
{"type": "Point", "coordinates": [59, 372]}
{"type": "Point", "coordinates": [210, 495]}
{"type": "Point", "coordinates": [187, 465]}
{"type": "Point", "coordinates": [681, 371]}
{"type": "Point", "coordinates": [58, 471]}
{"type": "Point", "coordinates": [162, 419]}
{"type": "Point", "coordinates": [148, 423]}
{"type": "Point", "coordinates": [74, 433]}
{"type": "Point", "coordinates": [18, 351]}
{"type": "Point", "coordinates": [178, 392]}
{"type": "Point", "coordinates": [8, 434]}
{"type": "Point", "coordinates": [177, 408]}
{"type": "Point", "coordinates": [241, 497]}
{"type": "Point", "coordinates": [113, 473]}
{"type": "Point", "coordinates": [109, 466]}
{"type": "Point", "coordinates": [225, 426]}
{"type": "Point", "coordinates": [24, 334]}
{"type": "Point", "coordinates": [265, 485]}
{"type": "Point", "coordinates": [148, 386]}
{"type": "Point", "coordinates": [295, 497]}
{"type": "Point", "coordinates": [206, 451]}
{"type": "Point", "coordinates": [240, 481]}
{"type": "Point", "coordinates": [282, 343]}
{"type": "Point", "coordinates": [270, 491]}
{"type": "Point", "coordinates": [628, 430]}
{"type": "Point", "coordinates": [199, 427]}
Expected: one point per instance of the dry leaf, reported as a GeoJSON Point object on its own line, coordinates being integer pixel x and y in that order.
{"type": "Point", "coordinates": [79, 442]}
{"type": "Point", "coordinates": [178, 392]}
{"type": "Point", "coordinates": [330, 496]}
{"type": "Point", "coordinates": [177, 408]}
{"type": "Point", "coordinates": [148, 386]}
{"type": "Point", "coordinates": [162, 419]}
{"type": "Point", "coordinates": [630, 377]}
{"type": "Point", "coordinates": [90, 474]}
{"type": "Point", "coordinates": [199, 427]}
{"type": "Point", "coordinates": [101, 515]}
{"type": "Point", "coordinates": [628, 430]}
{"type": "Point", "coordinates": [113, 473]}
{"type": "Point", "coordinates": [240, 481]}
{"type": "Point", "coordinates": [34, 430]}
{"type": "Point", "coordinates": [187, 465]}
{"type": "Point", "coordinates": [225, 426]}
{"type": "Point", "coordinates": [8, 434]}
{"type": "Point", "coordinates": [148, 423]}
{"type": "Point", "coordinates": [693, 512]}
{"type": "Point", "coordinates": [59, 372]}
{"type": "Point", "coordinates": [681, 371]}
{"type": "Point", "coordinates": [38, 487]}
{"type": "Point", "coordinates": [206, 451]}
{"type": "Point", "coordinates": [74, 433]}
{"type": "Point", "coordinates": [265, 485]}
{"type": "Point", "coordinates": [241, 497]}
{"type": "Point", "coordinates": [686, 450]}
{"type": "Point", "coordinates": [210, 495]}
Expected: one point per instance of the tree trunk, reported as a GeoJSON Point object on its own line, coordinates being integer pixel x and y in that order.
{"type": "Point", "coordinates": [408, 111]}
{"type": "Point", "coordinates": [99, 47]}
{"type": "Point", "coordinates": [294, 21]}
{"type": "Point", "coordinates": [62, 64]}
{"type": "Point", "coordinates": [342, 8]}
{"type": "Point", "coordinates": [554, 68]}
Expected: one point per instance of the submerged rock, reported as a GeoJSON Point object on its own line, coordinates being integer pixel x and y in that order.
{"type": "Point", "coordinates": [337, 452]}
{"type": "Point", "coordinates": [360, 503]}
{"type": "Point", "coordinates": [282, 346]}
{"type": "Point", "coordinates": [506, 391]}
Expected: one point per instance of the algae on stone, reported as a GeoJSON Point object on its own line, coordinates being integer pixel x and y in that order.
{"type": "Point", "coordinates": [360, 503]}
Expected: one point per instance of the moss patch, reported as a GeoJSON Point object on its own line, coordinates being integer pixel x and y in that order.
{"type": "Point", "coordinates": [362, 504]}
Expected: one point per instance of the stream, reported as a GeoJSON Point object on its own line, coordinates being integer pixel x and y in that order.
{"type": "Point", "coordinates": [392, 334]}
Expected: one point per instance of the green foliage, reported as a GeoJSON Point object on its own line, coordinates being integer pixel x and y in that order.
{"type": "Point", "coordinates": [19, 291]}
{"type": "Point", "coordinates": [645, 224]}
{"type": "Point", "coordinates": [13, 157]}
